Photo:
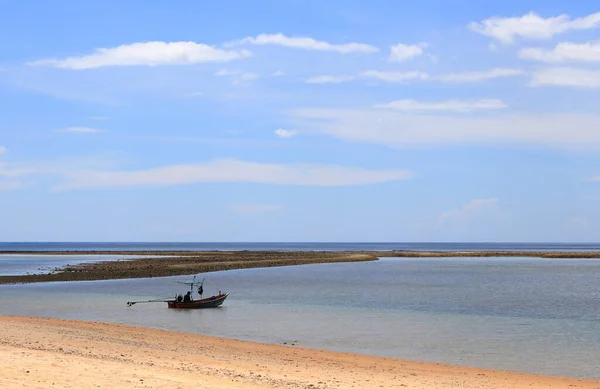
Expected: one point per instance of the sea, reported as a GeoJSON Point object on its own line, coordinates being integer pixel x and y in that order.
{"type": "Point", "coordinates": [294, 246]}
{"type": "Point", "coordinates": [520, 313]}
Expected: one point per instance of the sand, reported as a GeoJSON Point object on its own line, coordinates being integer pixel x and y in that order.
{"type": "Point", "coordinates": [51, 353]}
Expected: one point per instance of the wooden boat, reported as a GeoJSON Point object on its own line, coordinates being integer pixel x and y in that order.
{"type": "Point", "coordinates": [188, 302]}
{"type": "Point", "coordinates": [210, 302]}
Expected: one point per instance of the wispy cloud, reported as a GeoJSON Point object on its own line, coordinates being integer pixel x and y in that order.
{"type": "Point", "coordinates": [402, 52]}
{"type": "Point", "coordinates": [305, 43]}
{"type": "Point", "coordinates": [11, 185]}
{"type": "Point", "coordinates": [564, 52]}
{"type": "Point", "coordinates": [232, 170]}
{"type": "Point", "coordinates": [566, 76]}
{"type": "Point", "coordinates": [476, 76]}
{"type": "Point", "coordinates": [448, 105]}
{"type": "Point", "coordinates": [477, 213]}
{"type": "Point", "coordinates": [477, 220]}
{"type": "Point", "coordinates": [237, 76]}
{"type": "Point", "coordinates": [396, 77]}
{"type": "Point", "coordinates": [80, 130]}
{"type": "Point", "coordinates": [577, 222]}
{"type": "Point", "coordinates": [327, 79]}
{"type": "Point", "coordinates": [467, 211]}
{"type": "Point", "coordinates": [400, 77]}
{"type": "Point", "coordinates": [405, 129]}
{"type": "Point", "coordinates": [58, 167]}
{"type": "Point", "coordinates": [146, 54]}
{"type": "Point", "coordinates": [255, 208]}
{"type": "Point", "coordinates": [2, 149]}
{"type": "Point", "coordinates": [99, 117]}
{"type": "Point", "coordinates": [283, 133]}
{"type": "Point", "coordinates": [532, 26]}
{"type": "Point", "coordinates": [11, 172]}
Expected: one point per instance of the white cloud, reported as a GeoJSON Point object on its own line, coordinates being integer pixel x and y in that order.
{"type": "Point", "coordinates": [146, 54]}
{"type": "Point", "coordinates": [282, 133]}
{"type": "Point", "coordinates": [405, 129]}
{"type": "Point", "coordinates": [305, 43]}
{"type": "Point", "coordinates": [448, 105]}
{"type": "Point", "coordinates": [2, 149]}
{"type": "Point", "coordinates": [532, 26]}
{"type": "Point", "coordinates": [278, 73]}
{"type": "Point", "coordinates": [565, 76]}
{"type": "Point", "coordinates": [402, 52]}
{"type": "Point", "coordinates": [481, 75]}
{"type": "Point", "coordinates": [329, 79]}
{"type": "Point", "coordinates": [231, 170]}
{"type": "Point", "coordinates": [80, 130]}
{"type": "Point", "coordinates": [255, 208]}
{"type": "Point", "coordinates": [566, 51]}
{"type": "Point", "coordinates": [395, 76]}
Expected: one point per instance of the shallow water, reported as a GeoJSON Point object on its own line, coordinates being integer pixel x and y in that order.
{"type": "Point", "coordinates": [21, 264]}
{"type": "Point", "coordinates": [521, 314]}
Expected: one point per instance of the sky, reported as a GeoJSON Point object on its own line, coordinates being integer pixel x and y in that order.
{"type": "Point", "coordinates": [344, 120]}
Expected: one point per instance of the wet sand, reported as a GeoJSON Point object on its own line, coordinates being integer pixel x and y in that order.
{"type": "Point", "coordinates": [45, 353]}
{"type": "Point", "coordinates": [175, 263]}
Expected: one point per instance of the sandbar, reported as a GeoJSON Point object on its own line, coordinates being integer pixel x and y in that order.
{"type": "Point", "coordinates": [174, 263]}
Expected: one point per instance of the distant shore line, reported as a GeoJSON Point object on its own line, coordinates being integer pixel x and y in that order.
{"type": "Point", "coordinates": [173, 263]}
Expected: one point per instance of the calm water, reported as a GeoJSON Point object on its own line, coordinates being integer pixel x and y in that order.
{"type": "Point", "coordinates": [291, 246]}
{"type": "Point", "coordinates": [521, 314]}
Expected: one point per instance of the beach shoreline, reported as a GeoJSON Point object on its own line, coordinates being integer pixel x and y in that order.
{"type": "Point", "coordinates": [151, 264]}
{"type": "Point", "coordinates": [43, 352]}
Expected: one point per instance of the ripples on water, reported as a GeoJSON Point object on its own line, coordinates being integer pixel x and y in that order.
{"type": "Point", "coordinates": [522, 314]}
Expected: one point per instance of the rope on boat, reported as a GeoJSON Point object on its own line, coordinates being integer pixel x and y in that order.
{"type": "Point", "coordinates": [160, 300]}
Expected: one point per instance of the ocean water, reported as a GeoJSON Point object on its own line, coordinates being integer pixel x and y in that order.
{"type": "Point", "coordinates": [520, 314]}
{"type": "Point", "coordinates": [294, 246]}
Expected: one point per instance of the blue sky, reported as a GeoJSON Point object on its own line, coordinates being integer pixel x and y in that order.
{"type": "Point", "coordinates": [300, 121]}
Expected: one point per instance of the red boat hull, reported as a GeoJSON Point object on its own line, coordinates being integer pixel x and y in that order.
{"type": "Point", "coordinates": [210, 302]}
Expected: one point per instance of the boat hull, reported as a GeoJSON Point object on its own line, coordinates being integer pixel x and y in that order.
{"type": "Point", "coordinates": [210, 302]}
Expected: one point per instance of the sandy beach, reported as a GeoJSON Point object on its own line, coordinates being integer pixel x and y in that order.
{"type": "Point", "coordinates": [44, 353]}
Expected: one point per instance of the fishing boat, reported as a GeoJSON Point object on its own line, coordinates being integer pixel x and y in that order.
{"type": "Point", "coordinates": [210, 302]}
{"type": "Point", "coordinates": [187, 301]}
